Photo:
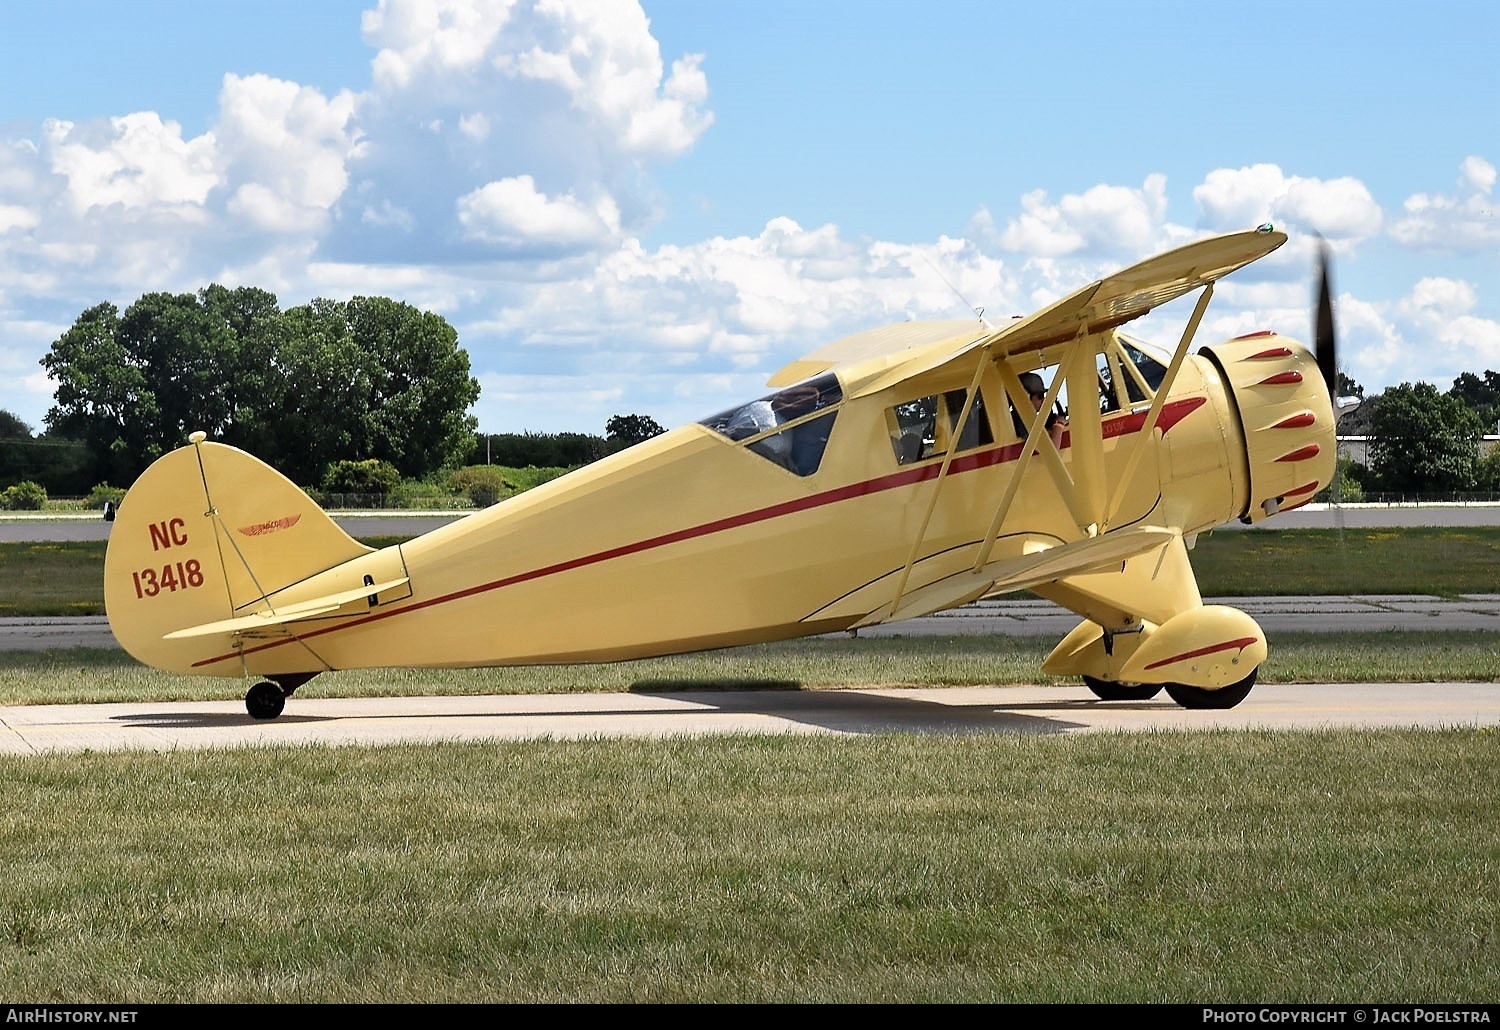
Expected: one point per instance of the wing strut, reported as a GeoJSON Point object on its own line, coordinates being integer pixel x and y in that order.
{"type": "Point", "coordinates": [1148, 429]}
{"type": "Point", "coordinates": [953, 437]}
{"type": "Point", "coordinates": [1031, 445]}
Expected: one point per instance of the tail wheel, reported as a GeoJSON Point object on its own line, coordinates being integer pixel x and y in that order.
{"type": "Point", "coordinates": [1224, 697]}
{"type": "Point", "coordinates": [265, 700]}
{"type": "Point", "coordinates": [1110, 690]}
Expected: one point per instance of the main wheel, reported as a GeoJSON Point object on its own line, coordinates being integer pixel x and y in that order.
{"type": "Point", "coordinates": [1224, 697]}
{"type": "Point", "coordinates": [265, 700]}
{"type": "Point", "coordinates": [1110, 690]}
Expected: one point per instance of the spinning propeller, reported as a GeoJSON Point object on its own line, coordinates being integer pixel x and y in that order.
{"type": "Point", "coordinates": [1325, 346]}
{"type": "Point", "coordinates": [1324, 342]}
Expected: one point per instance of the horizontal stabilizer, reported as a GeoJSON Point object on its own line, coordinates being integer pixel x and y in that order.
{"type": "Point", "coordinates": [291, 613]}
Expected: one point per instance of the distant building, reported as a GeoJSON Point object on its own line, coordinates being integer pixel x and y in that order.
{"type": "Point", "coordinates": [1357, 448]}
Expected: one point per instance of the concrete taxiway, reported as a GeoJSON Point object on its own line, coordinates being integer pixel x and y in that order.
{"type": "Point", "coordinates": [160, 727]}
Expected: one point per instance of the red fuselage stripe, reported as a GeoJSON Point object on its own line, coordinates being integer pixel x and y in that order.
{"type": "Point", "coordinates": [1170, 415]}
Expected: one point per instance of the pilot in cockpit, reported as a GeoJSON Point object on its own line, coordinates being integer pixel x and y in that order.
{"type": "Point", "coordinates": [1036, 390]}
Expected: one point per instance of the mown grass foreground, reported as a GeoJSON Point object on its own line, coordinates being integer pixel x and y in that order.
{"type": "Point", "coordinates": [1218, 867]}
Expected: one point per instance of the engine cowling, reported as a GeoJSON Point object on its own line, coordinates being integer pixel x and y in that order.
{"type": "Point", "coordinates": [1287, 417]}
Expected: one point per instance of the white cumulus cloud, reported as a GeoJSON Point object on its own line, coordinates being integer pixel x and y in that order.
{"type": "Point", "coordinates": [1111, 219]}
{"type": "Point", "coordinates": [285, 150]}
{"type": "Point", "coordinates": [1464, 221]}
{"type": "Point", "coordinates": [1239, 198]}
{"type": "Point", "coordinates": [513, 213]}
{"type": "Point", "coordinates": [134, 162]}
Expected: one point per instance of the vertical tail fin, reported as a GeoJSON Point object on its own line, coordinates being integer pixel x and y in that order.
{"type": "Point", "coordinates": [206, 533]}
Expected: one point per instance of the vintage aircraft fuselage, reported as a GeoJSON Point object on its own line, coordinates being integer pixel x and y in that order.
{"type": "Point", "coordinates": [894, 473]}
{"type": "Point", "coordinates": [693, 540]}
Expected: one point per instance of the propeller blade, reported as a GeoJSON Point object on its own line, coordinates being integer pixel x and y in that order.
{"type": "Point", "coordinates": [1325, 342]}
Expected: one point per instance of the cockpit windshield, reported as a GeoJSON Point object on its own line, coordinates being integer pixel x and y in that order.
{"type": "Point", "coordinates": [785, 426]}
{"type": "Point", "coordinates": [1149, 361]}
{"type": "Point", "coordinates": [1130, 373]}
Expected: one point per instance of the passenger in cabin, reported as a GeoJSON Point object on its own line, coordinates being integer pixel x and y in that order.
{"type": "Point", "coordinates": [1036, 390]}
{"type": "Point", "coordinates": [757, 417]}
{"type": "Point", "coordinates": [798, 448]}
{"type": "Point", "coordinates": [808, 439]}
{"type": "Point", "coordinates": [794, 402]}
{"type": "Point", "coordinates": [752, 418]}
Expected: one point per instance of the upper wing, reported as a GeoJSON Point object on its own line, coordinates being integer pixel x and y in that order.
{"type": "Point", "coordinates": [1128, 295]}
{"type": "Point", "coordinates": [895, 341]}
{"type": "Point", "coordinates": [1101, 305]}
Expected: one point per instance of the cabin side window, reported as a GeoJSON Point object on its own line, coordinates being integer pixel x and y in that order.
{"type": "Point", "coordinates": [1034, 385]}
{"type": "Point", "coordinates": [1109, 379]}
{"type": "Point", "coordinates": [922, 428]}
{"type": "Point", "coordinates": [785, 427]}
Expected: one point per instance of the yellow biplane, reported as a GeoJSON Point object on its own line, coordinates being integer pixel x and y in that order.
{"type": "Point", "coordinates": [892, 474]}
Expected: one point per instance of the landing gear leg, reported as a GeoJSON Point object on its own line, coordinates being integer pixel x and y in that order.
{"type": "Point", "coordinates": [267, 698]}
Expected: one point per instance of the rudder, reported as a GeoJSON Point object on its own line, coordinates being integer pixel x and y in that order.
{"type": "Point", "coordinates": [208, 532]}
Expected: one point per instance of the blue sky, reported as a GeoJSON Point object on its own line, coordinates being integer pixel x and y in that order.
{"type": "Point", "coordinates": [650, 208]}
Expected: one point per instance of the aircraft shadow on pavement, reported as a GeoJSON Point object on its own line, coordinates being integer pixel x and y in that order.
{"type": "Point", "coordinates": [207, 720]}
{"type": "Point", "coordinates": [862, 712]}
{"type": "Point", "coordinates": [835, 711]}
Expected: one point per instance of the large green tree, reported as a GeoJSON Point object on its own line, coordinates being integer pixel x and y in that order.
{"type": "Point", "coordinates": [420, 386]}
{"type": "Point", "coordinates": [328, 391]}
{"type": "Point", "coordinates": [255, 397]}
{"type": "Point", "coordinates": [373, 378]}
{"type": "Point", "coordinates": [188, 360]}
{"type": "Point", "coordinates": [330, 381]}
{"type": "Point", "coordinates": [1423, 441]}
{"type": "Point", "coordinates": [624, 431]}
{"type": "Point", "coordinates": [102, 397]}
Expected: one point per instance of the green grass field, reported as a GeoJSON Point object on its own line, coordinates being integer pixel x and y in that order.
{"type": "Point", "coordinates": [1232, 867]}
{"type": "Point", "coordinates": [1258, 868]}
